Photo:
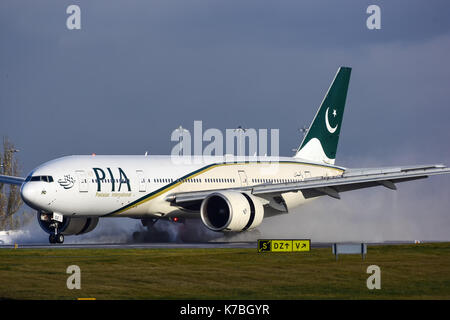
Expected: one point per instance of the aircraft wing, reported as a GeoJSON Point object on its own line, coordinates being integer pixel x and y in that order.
{"type": "Point", "coordinates": [351, 179]}
{"type": "Point", "coordinates": [12, 180]}
{"type": "Point", "coordinates": [354, 179]}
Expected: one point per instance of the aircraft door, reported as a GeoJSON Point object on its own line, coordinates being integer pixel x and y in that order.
{"type": "Point", "coordinates": [141, 180]}
{"type": "Point", "coordinates": [307, 174]}
{"type": "Point", "coordinates": [243, 177]}
{"type": "Point", "coordinates": [82, 181]}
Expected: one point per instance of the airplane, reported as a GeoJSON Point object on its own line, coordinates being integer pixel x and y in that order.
{"type": "Point", "coordinates": [229, 194]}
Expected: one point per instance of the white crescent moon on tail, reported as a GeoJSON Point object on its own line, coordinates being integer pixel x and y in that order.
{"type": "Point", "coordinates": [329, 128]}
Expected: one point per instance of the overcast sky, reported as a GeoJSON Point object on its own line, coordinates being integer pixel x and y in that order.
{"type": "Point", "coordinates": [138, 69]}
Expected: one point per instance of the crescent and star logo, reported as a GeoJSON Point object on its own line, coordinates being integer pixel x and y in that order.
{"type": "Point", "coordinates": [330, 128]}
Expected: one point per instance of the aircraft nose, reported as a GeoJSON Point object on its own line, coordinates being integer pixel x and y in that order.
{"type": "Point", "coordinates": [29, 194]}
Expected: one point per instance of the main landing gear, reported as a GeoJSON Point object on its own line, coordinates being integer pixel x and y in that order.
{"type": "Point", "coordinates": [145, 235]}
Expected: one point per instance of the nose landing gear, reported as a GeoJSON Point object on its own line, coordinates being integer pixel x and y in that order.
{"type": "Point", "coordinates": [56, 238]}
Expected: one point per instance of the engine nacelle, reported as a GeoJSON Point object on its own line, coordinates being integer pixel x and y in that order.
{"type": "Point", "coordinates": [231, 211]}
{"type": "Point", "coordinates": [69, 225]}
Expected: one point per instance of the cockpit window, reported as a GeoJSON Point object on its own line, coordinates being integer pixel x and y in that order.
{"type": "Point", "coordinates": [42, 178]}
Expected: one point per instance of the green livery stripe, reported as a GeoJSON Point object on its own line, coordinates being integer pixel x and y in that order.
{"type": "Point", "coordinates": [162, 190]}
{"type": "Point", "coordinates": [195, 173]}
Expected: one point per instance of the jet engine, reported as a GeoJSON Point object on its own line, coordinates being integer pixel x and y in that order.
{"type": "Point", "coordinates": [69, 225]}
{"type": "Point", "coordinates": [231, 211]}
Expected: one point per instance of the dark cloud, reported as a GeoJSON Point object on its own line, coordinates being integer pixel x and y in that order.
{"type": "Point", "coordinates": [138, 69]}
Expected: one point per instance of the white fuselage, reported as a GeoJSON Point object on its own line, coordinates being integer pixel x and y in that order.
{"type": "Point", "coordinates": [138, 186]}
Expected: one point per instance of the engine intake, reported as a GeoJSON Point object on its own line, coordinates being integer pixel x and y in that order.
{"type": "Point", "coordinates": [231, 211]}
{"type": "Point", "coordinates": [69, 225]}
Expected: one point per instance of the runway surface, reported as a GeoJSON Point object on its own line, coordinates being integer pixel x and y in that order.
{"type": "Point", "coordinates": [171, 245]}
{"type": "Point", "coordinates": [157, 245]}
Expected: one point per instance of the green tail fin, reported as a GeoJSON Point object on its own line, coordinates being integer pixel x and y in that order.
{"type": "Point", "coordinates": [321, 141]}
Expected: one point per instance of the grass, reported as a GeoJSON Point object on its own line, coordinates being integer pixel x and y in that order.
{"type": "Point", "coordinates": [407, 272]}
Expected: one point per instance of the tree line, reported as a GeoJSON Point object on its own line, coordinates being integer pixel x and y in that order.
{"type": "Point", "coordinates": [10, 200]}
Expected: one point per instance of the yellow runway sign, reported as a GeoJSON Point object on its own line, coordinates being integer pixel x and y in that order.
{"type": "Point", "coordinates": [301, 245]}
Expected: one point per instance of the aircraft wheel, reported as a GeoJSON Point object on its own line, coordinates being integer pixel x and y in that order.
{"type": "Point", "coordinates": [138, 237]}
{"type": "Point", "coordinates": [51, 238]}
{"type": "Point", "coordinates": [59, 238]}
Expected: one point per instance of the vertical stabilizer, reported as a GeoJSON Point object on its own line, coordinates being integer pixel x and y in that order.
{"type": "Point", "coordinates": [321, 141]}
